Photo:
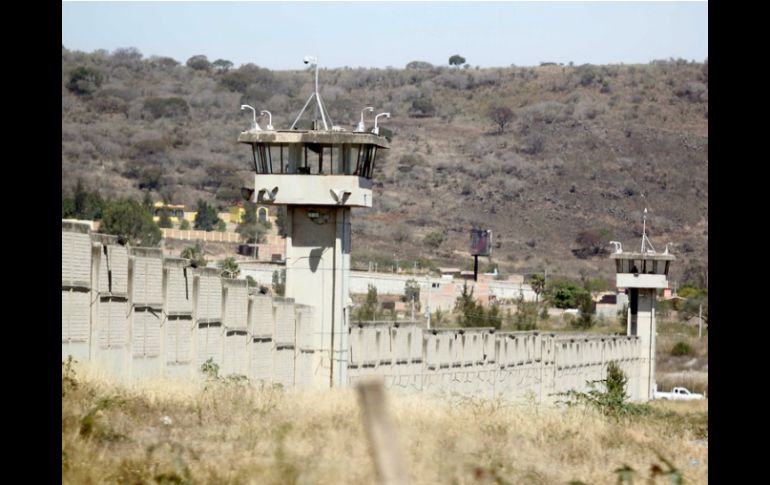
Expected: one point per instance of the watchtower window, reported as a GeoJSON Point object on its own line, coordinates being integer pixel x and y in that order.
{"type": "Point", "coordinates": [314, 159]}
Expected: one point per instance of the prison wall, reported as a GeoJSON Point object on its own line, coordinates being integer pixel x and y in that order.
{"type": "Point", "coordinates": [136, 314]}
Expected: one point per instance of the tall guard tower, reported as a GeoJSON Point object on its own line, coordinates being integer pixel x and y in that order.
{"type": "Point", "coordinates": [318, 174]}
{"type": "Point", "coordinates": [642, 274]}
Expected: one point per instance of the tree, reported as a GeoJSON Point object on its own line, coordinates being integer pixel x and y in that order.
{"type": "Point", "coordinates": [470, 312]}
{"type": "Point", "coordinates": [422, 108]}
{"type": "Point", "coordinates": [456, 60]}
{"type": "Point", "coordinates": [184, 225]}
{"type": "Point", "coordinates": [206, 218]}
{"type": "Point", "coordinates": [501, 116]}
{"type": "Point", "coordinates": [590, 244]}
{"type": "Point", "coordinates": [434, 239]}
{"type": "Point", "coordinates": [249, 227]}
{"type": "Point", "coordinates": [537, 282]}
{"type": "Point", "coordinates": [412, 292]}
{"type": "Point", "coordinates": [222, 65]}
{"type": "Point", "coordinates": [84, 80]}
{"type": "Point", "coordinates": [369, 309]}
{"type": "Point", "coordinates": [196, 255]}
{"type": "Point", "coordinates": [165, 220]}
{"type": "Point", "coordinates": [199, 63]}
{"type": "Point", "coordinates": [83, 204]}
{"type": "Point", "coordinates": [564, 294]}
{"type": "Point", "coordinates": [585, 319]}
{"type": "Point", "coordinates": [229, 268]}
{"type": "Point", "coordinates": [131, 222]}
{"type": "Point", "coordinates": [280, 220]}
{"type": "Point", "coordinates": [279, 282]}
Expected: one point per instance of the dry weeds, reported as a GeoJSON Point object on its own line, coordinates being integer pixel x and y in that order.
{"type": "Point", "coordinates": [163, 432]}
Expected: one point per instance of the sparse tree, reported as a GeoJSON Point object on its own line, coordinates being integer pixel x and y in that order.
{"type": "Point", "coordinates": [279, 282]}
{"type": "Point", "coordinates": [412, 292]}
{"type": "Point", "coordinates": [222, 65]}
{"type": "Point", "coordinates": [369, 310]}
{"type": "Point", "coordinates": [537, 282]}
{"type": "Point", "coordinates": [501, 116]}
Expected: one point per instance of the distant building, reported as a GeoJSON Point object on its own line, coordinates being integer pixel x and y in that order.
{"type": "Point", "coordinates": [176, 212]}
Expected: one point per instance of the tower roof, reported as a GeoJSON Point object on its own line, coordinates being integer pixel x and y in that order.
{"type": "Point", "coordinates": [313, 136]}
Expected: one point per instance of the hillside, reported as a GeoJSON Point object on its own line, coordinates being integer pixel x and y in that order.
{"type": "Point", "coordinates": [586, 143]}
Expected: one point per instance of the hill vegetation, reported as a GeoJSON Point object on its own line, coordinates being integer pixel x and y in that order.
{"type": "Point", "coordinates": [555, 159]}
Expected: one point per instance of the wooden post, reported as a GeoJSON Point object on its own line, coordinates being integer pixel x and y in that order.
{"type": "Point", "coordinates": [475, 267]}
{"type": "Point", "coordinates": [381, 432]}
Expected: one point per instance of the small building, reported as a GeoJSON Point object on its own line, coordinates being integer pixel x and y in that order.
{"type": "Point", "coordinates": [176, 212]}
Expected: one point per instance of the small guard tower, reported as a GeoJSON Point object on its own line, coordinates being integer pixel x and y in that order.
{"type": "Point", "coordinates": [642, 274]}
{"type": "Point", "coordinates": [318, 174]}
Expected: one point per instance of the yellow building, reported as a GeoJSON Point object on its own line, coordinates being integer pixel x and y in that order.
{"type": "Point", "coordinates": [236, 214]}
{"type": "Point", "coordinates": [176, 212]}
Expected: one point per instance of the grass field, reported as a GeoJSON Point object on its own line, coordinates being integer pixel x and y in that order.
{"type": "Point", "coordinates": [238, 432]}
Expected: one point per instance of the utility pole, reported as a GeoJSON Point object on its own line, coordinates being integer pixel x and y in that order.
{"type": "Point", "coordinates": [427, 307]}
{"type": "Point", "coordinates": [700, 320]}
{"type": "Point", "coordinates": [412, 306]}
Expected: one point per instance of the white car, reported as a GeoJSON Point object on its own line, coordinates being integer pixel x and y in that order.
{"type": "Point", "coordinates": [678, 394]}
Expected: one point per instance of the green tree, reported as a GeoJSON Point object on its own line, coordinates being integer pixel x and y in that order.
{"type": "Point", "coordinates": [279, 282]}
{"type": "Point", "coordinates": [456, 60]}
{"type": "Point", "coordinates": [526, 314]}
{"type": "Point", "coordinates": [585, 319]}
{"type": "Point", "coordinates": [206, 218]}
{"type": "Point", "coordinates": [131, 222]}
{"type": "Point", "coordinates": [83, 204]}
{"type": "Point", "coordinates": [229, 268]}
{"type": "Point", "coordinates": [470, 313]}
{"type": "Point", "coordinates": [249, 227]}
{"type": "Point", "coordinates": [537, 282]}
{"type": "Point", "coordinates": [369, 310]}
{"type": "Point", "coordinates": [165, 219]}
{"type": "Point", "coordinates": [184, 225]}
{"type": "Point", "coordinates": [196, 255]}
{"type": "Point", "coordinates": [280, 220]}
{"type": "Point", "coordinates": [222, 65]}
{"type": "Point", "coordinates": [412, 292]}
{"type": "Point", "coordinates": [563, 293]}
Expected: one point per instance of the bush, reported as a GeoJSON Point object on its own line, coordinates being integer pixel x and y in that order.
{"type": "Point", "coordinates": [166, 107]}
{"type": "Point", "coordinates": [422, 108]}
{"type": "Point", "coordinates": [682, 349]}
{"type": "Point", "coordinates": [434, 239]}
{"type": "Point", "coordinates": [196, 255]}
{"type": "Point", "coordinates": [85, 80]}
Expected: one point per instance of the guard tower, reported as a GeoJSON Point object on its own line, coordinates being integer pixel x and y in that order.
{"type": "Point", "coordinates": [642, 274]}
{"type": "Point", "coordinates": [318, 174]}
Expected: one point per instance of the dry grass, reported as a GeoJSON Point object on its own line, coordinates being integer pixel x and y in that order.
{"type": "Point", "coordinates": [236, 433]}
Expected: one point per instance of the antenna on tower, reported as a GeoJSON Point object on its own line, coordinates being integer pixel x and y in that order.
{"type": "Point", "coordinates": [645, 239]}
{"type": "Point", "coordinates": [319, 103]}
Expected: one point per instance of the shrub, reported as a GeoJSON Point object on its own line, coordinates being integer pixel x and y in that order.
{"type": "Point", "coordinates": [206, 218]}
{"type": "Point", "coordinates": [422, 108]}
{"type": "Point", "coordinates": [434, 239]}
{"type": "Point", "coordinates": [196, 255]}
{"type": "Point", "coordinates": [84, 80]}
{"type": "Point", "coordinates": [682, 349]}
{"type": "Point", "coordinates": [166, 107]}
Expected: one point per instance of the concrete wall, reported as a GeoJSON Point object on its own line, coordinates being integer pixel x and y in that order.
{"type": "Point", "coordinates": [136, 314]}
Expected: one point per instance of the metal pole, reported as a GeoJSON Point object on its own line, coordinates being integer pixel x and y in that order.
{"type": "Point", "coordinates": [413, 307]}
{"type": "Point", "coordinates": [700, 320]}
{"type": "Point", "coordinates": [427, 308]}
{"type": "Point", "coordinates": [475, 267]}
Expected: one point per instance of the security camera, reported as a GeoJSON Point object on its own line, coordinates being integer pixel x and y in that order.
{"type": "Point", "coordinates": [306, 60]}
